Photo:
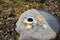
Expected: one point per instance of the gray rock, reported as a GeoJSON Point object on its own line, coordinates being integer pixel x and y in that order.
{"type": "Point", "coordinates": [37, 32]}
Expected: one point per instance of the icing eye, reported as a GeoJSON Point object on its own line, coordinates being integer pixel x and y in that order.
{"type": "Point", "coordinates": [43, 26]}
{"type": "Point", "coordinates": [30, 19]}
